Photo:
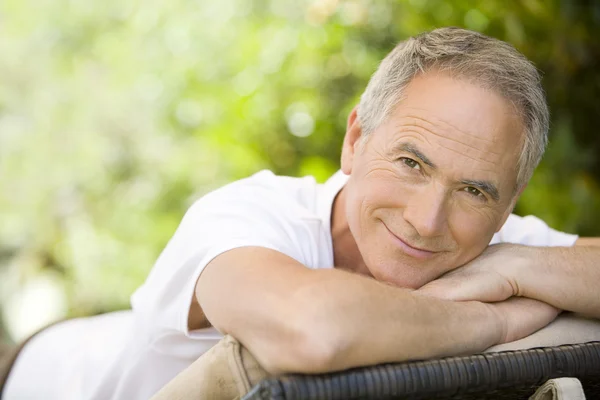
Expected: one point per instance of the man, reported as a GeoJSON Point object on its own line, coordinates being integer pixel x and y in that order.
{"type": "Point", "coordinates": [313, 278]}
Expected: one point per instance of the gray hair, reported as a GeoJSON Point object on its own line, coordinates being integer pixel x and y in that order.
{"type": "Point", "coordinates": [490, 62]}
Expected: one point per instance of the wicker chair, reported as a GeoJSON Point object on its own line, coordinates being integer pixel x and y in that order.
{"type": "Point", "coordinates": [500, 375]}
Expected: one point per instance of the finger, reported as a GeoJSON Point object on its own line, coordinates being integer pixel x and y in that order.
{"type": "Point", "coordinates": [458, 289]}
{"type": "Point", "coordinates": [445, 291]}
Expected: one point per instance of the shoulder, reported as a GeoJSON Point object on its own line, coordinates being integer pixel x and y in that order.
{"type": "Point", "coordinates": [263, 192]}
{"type": "Point", "coordinates": [532, 231]}
{"type": "Point", "coordinates": [263, 210]}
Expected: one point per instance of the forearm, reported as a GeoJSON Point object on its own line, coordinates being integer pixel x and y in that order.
{"type": "Point", "coordinates": [565, 277]}
{"type": "Point", "coordinates": [294, 319]}
{"type": "Point", "coordinates": [376, 323]}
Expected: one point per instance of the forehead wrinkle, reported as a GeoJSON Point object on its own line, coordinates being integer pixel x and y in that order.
{"type": "Point", "coordinates": [457, 145]}
{"type": "Point", "coordinates": [431, 128]}
{"type": "Point", "coordinates": [442, 122]}
{"type": "Point", "coordinates": [484, 157]}
{"type": "Point", "coordinates": [471, 157]}
{"type": "Point", "coordinates": [457, 133]}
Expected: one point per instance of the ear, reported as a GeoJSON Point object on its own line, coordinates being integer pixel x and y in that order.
{"type": "Point", "coordinates": [511, 207]}
{"type": "Point", "coordinates": [351, 141]}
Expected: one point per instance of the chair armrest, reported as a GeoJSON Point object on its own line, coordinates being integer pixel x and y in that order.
{"type": "Point", "coordinates": [504, 375]}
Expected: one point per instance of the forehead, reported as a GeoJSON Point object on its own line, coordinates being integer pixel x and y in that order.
{"type": "Point", "coordinates": [472, 113]}
{"type": "Point", "coordinates": [459, 121]}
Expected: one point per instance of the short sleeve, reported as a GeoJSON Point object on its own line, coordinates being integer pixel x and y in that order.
{"type": "Point", "coordinates": [531, 231]}
{"type": "Point", "coordinates": [245, 213]}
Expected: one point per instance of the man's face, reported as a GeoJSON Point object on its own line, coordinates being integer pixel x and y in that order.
{"type": "Point", "coordinates": [431, 185]}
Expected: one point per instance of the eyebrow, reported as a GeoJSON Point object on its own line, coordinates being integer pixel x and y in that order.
{"type": "Point", "coordinates": [485, 186]}
{"type": "Point", "coordinates": [412, 149]}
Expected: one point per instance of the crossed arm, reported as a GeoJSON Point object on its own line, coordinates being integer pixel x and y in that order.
{"type": "Point", "coordinates": [294, 319]}
{"type": "Point", "coordinates": [566, 277]}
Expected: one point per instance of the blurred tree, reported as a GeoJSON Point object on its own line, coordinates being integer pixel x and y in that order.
{"type": "Point", "coordinates": [116, 115]}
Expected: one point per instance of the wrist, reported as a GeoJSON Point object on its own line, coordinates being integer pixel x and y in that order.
{"type": "Point", "coordinates": [521, 268]}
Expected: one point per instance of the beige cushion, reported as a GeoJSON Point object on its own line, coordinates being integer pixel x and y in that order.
{"type": "Point", "coordinates": [560, 389]}
{"type": "Point", "coordinates": [228, 370]}
{"type": "Point", "coordinates": [568, 328]}
{"type": "Point", "coordinates": [225, 372]}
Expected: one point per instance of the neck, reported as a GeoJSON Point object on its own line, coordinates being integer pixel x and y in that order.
{"type": "Point", "coordinates": [345, 250]}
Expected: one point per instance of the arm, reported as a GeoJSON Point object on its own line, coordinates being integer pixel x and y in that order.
{"type": "Point", "coordinates": [565, 277]}
{"type": "Point", "coordinates": [294, 319]}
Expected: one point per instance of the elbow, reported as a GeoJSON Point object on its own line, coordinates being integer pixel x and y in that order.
{"type": "Point", "coordinates": [320, 348]}
{"type": "Point", "coordinates": [312, 344]}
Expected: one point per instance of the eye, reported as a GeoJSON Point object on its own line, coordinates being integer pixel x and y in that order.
{"type": "Point", "coordinates": [410, 163]}
{"type": "Point", "coordinates": [474, 191]}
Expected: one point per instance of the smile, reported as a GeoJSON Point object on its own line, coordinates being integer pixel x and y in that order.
{"type": "Point", "coordinates": [407, 248]}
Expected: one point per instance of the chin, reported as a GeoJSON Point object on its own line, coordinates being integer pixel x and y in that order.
{"type": "Point", "coordinates": [403, 276]}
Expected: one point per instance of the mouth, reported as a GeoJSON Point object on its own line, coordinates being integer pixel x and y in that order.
{"type": "Point", "coordinates": [410, 250]}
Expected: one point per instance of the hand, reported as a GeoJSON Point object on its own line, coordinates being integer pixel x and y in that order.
{"type": "Point", "coordinates": [520, 317]}
{"type": "Point", "coordinates": [492, 276]}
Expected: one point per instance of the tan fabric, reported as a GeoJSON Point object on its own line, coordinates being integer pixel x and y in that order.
{"type": "Point", "coordinates": [560, 389]}
{"type": "Point", "coordinates": [8, 355]}
{"type": "Point", "coordinates": [226, 372]}
{"type": "Point", "coordinates": [568, 328]}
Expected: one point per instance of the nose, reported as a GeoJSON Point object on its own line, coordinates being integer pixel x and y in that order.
{"type": "Point", "coordinates": [426, 210]}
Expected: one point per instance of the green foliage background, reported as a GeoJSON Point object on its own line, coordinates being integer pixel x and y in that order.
{"type": "Point", "coordinates": [116, 115]}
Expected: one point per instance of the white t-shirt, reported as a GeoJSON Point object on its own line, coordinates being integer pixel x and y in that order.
{"type": "Point", "coordinates": [132, 354]}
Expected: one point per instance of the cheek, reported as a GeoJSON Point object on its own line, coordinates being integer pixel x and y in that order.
{"type": "Point", "coordinates": [366, 200]}
{"type": "Point", "coordinates": [472, 231]}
